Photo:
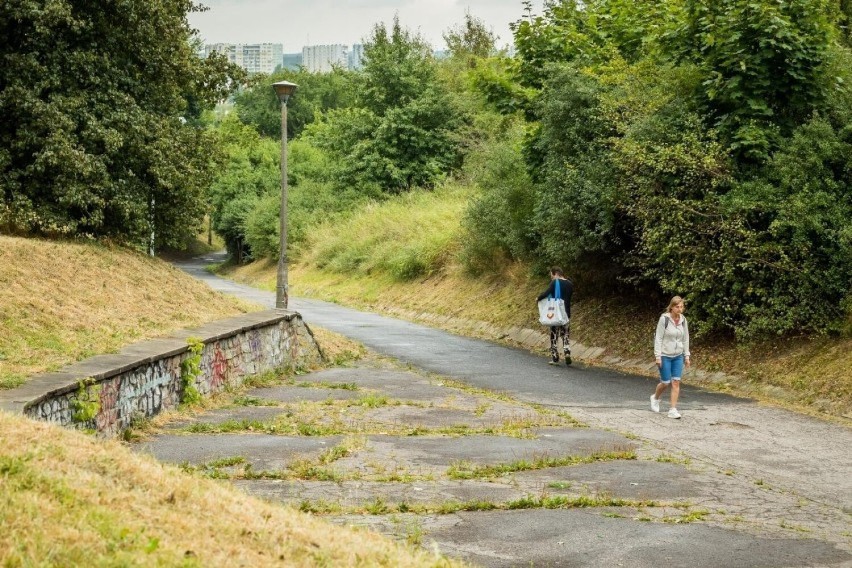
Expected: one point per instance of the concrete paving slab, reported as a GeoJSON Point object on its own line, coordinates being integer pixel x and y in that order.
{"type": "Point", "coordinates": [626, 479]}
{"type": "Point", "coordinates": [360, 493]}
{"type": "Point", "coordinates": [544, 537]}
{"type": "Point", "coordinates": [432, 418]}
{"type": "Point", "coordinates": [264, 452]}
{"type": "Point", "coordinates": [289, 393]}
{"type": "Point", "coordinates": [222, 415]}
{"type": "Point", "coordinates": [443, 451]}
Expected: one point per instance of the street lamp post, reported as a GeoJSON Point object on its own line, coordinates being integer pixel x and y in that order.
{"type": "Point", "coordinates": [283, 89]}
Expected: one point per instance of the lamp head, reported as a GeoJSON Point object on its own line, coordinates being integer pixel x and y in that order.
{"type": "Point", "coordinates": [284, 89]}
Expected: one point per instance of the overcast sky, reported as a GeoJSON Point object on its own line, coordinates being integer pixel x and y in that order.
{"type": "Point", "coordinates": [296, 23]}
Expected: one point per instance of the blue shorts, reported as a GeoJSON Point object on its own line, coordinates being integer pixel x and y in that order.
{"type": "Point", "coordinates": [671, 368]}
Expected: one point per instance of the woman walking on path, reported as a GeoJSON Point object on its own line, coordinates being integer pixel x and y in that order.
{"type": "Point", "coordinates": [671, 349]}
{"type": "Point", "coordinates": [566, 289]}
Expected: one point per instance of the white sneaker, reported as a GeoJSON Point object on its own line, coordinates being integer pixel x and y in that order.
{"type": "Point", "coordinates": [673, 413]}
{"type": "Point", "coordinates": [655, 404]}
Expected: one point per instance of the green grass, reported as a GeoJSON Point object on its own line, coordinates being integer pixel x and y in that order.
{"type": "Point", "coordinates": [242, 401]}
{"type": "Point", "coordinates": [227, 426]}
{"type": "Point", "coordinates": [327, 385]}
{"type": "Point", "coordinates": [689, 517]}
{"type": "Point", "coordinates": [372, 400]}
{"type": "Point", "coordinates": [466, 470]}
{"type": "Point", "coordinates": [379, 506]}
{"type": "Point", "coordinates": [669, 458]}
{"type": "Point", "coordinates": [406, 237]}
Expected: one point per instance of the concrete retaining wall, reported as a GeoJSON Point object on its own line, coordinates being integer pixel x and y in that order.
{"type": "Point", "coordinates": [145, 379]}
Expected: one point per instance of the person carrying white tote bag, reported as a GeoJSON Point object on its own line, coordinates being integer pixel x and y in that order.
{"type": "Point", "coordinates": [554, 309]}
{"type": "Point", "coordinates": [551, 310]}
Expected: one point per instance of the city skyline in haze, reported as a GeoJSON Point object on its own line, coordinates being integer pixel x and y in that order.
{"type": "Point", "coordinates": [298, 23]}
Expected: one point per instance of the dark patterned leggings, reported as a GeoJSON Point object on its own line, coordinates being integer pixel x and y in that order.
{"type": "Point", "coordinates": [555, 332]}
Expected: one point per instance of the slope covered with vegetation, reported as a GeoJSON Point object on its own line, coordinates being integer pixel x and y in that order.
{"type": "Point", "coordinates": [66, 301]}
{"type": "Point", "coordinates": [70, 500]}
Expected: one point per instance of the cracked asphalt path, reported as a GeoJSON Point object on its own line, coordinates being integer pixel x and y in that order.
{"type": "Point", "coordinates": [782, 481]}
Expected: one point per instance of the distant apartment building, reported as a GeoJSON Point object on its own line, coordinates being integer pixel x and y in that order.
{"type": "Point", "coordinates": [292, 61]}
{"type": "Point", "coordinates": [254, 58]}
{"type": "Point", "coordinates": [322, 58]}
{"type": "Point", "coordinates": [356, 57]}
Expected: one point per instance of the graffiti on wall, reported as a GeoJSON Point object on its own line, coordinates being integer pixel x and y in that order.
{"type": "Point", "coordinates": [155, 385]}
{"type": "Point", "coordinates": [219, 370]}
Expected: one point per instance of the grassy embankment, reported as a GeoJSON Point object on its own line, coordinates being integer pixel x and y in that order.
{"type": "Point", "coordinates": [70, 500]}
{"type": "Point", "coordinates": [64, 301]}
{"type": "Point", "coordinates": [67, 499]}
{"type": "Point", "coordinates": [367, 261]}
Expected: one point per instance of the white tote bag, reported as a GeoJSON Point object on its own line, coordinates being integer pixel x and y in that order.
{"type": "Point", "coordinates": [551, 310]}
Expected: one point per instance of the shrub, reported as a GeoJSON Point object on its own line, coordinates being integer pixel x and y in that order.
{"type": "Point", "coordinates": [498, 221]}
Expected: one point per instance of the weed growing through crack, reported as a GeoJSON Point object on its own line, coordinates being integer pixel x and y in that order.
{"type": "Point", "coordinates": [466, 470]}
{"type": "Point", "coordinates": [327, 385]}
{"type": "Point", "coordinates": [372, 400]}
{"type": "Point", "coordinates": [481, 408]}
{"type": "Point", "coordinates": [226, 462]}
{"type": "Point", "coordinates": [250, 473]}
{"type": "Point", "coordinates": [227, 426]}
{"type": "Point", "coordinates": [785, 525]}
{"type": "Point", "coordinates": [241, 401]}
{"type": "Point", "coordinates": [689, 517]}
{"type": "Point", "coordinates": [669, 458]}
{"type": "Point", "coordinates": [307, 470]}
{"type": "Point", "coordinates": [319, 507]}
{"type": "Point", "coordinates": [268, 379]}
{"type": "Point", "coordinates": [414, 533]}
{"type": "Point", "coordinates": [377, 506]}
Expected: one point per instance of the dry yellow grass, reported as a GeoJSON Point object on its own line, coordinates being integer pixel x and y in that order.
{"type": "Point", "coordinates": [66, 301]}
{"type": "Point", "coordinates": [70, 500]}
{"type": "Point", "coordinates": [810, 375]}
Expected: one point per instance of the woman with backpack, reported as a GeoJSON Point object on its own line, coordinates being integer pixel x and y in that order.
{"type": "Point", "coordinates": [671, 350]}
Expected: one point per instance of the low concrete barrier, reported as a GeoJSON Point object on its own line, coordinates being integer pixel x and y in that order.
{"type": "Point", "coordinates": [108, 392]}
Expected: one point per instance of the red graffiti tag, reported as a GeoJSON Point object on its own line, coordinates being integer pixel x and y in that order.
{"type": "Point", "coordinates": [220, 368]}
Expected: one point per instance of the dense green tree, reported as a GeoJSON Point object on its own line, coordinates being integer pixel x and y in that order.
{"type": "Point", "coordinates": [97, 100]}
{"type": "Point", "coordinates": [499, 220]}
{"type": "Point", "coordinates": [762, 63]}
{"type": "Point", "coordinates": [587, 32]}
{"type": "Point", "coordinates": [471, 39]}
{"type": "Point", "coordinates": [698, 148]}
{"type": "Point", "coordinates": [398, 67]}
{"type": "Point", "coordinates": [251, 171]}
{"type": "Point", "coordinates": [257, 104]}
{"type": "Point", "coordinates": [402, 133]}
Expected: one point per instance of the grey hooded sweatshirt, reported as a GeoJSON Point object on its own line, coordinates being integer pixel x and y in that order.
{"type": "Point", "coordinates": [671, 339]}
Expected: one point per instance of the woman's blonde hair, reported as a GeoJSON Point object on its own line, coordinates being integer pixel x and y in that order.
{"type": "Point", "coordinates": [674, 301]}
